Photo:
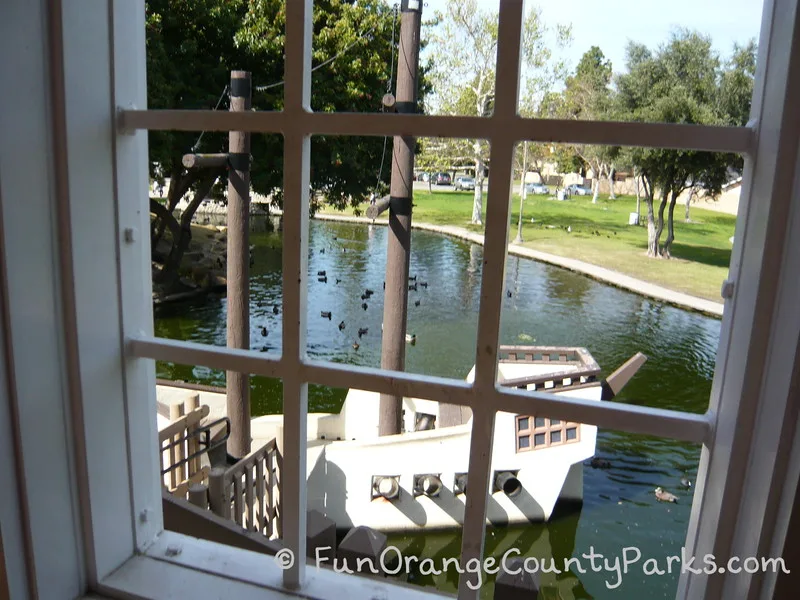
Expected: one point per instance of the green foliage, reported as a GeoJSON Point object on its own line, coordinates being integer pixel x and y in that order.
{"type": "Point", "coordinates": [194, 44]}
{"type": "Point", "coordinates": [190, 53]}
{"type": "Point", "coordinates": [680, 83]}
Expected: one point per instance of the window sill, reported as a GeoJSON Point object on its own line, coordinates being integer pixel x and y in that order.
{"type": "Point", "coordinates": [200, 569]}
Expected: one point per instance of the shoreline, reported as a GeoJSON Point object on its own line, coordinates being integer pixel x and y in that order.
{"type": "Point", "coordinates": [619, 280]}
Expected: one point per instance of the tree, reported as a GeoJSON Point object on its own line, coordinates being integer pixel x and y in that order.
{"type": "Point", "coordinates": [587, 96]}
{"type": "Point", "coordinates": [464, 47]}
{"type": "Point", "coordinates": [190, 47]}
{"type": "Point", "coordinates": [193, 46]}
{"type": "Point", "coordinates": [677, 84]}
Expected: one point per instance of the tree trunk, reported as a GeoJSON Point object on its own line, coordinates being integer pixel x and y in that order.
{"type": "Point", "coordinates": [167, 218]}
{"type": "Point", "coordinates": [665, 251]}
{"type": "Point", "coordinates": [660, 222]}
{"type": "Point", "coordinates": [179, 185]}
{"type": "Point", "coordinates": [477, 203]}
{"type": "Point", "coordinates": [652, 241]}
{"type": "Point", "coordinates": [596, 190]}
{"type": "Point", "coordinates": [170, 272]}
{"type": "Point", "coordinates": [611, 193]}
{"type": "Point", "coordinates": [638, 197]}
{"type": "Point", "coordinates": [688, 202]}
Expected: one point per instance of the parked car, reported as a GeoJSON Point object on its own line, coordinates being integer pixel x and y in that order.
{"type": "Point", "coordinates": [578, 190]}
{"type": "Point", "coordinates": [537, 188]}
{"type": "Point", "coordinates": [465, 183]}
{"type": "Point", "coordinates": [442, 179]}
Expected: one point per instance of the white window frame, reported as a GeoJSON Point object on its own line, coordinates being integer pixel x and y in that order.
{"type": "Point", "coordinates": [92, 419]}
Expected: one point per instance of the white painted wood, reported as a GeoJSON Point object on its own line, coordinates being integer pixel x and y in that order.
{"type": "Point", "coordinates": [134, 273]}
{"type": "Point", "coordinates": [178, 567]}
{"type": "Point", "coordinates": [34, 343]}
{"type": "Point", "coordinates": [749, 363]}
{"type": "Point", "coordinates": [784, 514]}
{"type": "Point", "coordinates": [767, 480]}
{"type": "Point", "coordinates": [493, 272]}
{"type": "Point", "coordinates": [192, 353]}
{"type": "Point", "coordinates": [624, 417]}
{"type": "Point", "coordinates": [15, 557]}
{"type": "Point", "coordinates": [650, 135]}
{"type": "Point", "coordinates": [91, 287]}
{"type": "Point", "coordinates": [296, 184]}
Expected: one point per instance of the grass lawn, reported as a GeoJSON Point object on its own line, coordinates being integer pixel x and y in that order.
{"type": "Point", "coordinates": [600, 235]}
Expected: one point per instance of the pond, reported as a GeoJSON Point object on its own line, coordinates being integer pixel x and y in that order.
{"type": "Point", "coordinates": [546, 306]}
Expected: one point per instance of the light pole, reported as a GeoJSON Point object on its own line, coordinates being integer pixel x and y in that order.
{"type": "Point", "coordinates": [523, 191]}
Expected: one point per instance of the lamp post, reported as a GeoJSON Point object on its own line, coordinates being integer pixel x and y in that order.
{"type": "Point", "coordinates": [523, 191]}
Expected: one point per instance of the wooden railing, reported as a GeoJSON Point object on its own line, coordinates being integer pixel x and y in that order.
{"type": "Point", "coordinates": [247, 492]}
{"type": "Point", "coordinates": [180, 448]}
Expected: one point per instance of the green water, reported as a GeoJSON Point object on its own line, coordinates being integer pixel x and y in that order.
{"type": "Point", "coordinates": [547, 304]}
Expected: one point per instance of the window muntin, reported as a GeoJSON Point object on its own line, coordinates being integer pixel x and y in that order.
{"type": "Point", "coordinates": [535, 433]}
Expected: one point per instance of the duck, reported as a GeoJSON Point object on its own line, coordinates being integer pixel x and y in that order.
{"type": "Point", "coordinates": [364, 296]}
{"type": "Point", "coordinates": [275, 310]}
{"type": "Point", "coordinates": [663, 496]}
{"type": "Point", "coordinates": [263, 332]}
{"type": "Point", "coordinates": [364, 306]}
{"type": "Point", "coordinates": [412, 278]}
{"type": "Point", "coordinates": [508, 293]}
{"type": "Point", "coordinates": [321, 273]}
{"type": "Point", "coordinates": [600, 463]}
{"type": "Point", "coordinates": [338, 281]}
{"type": "Point", "coordinates": [424, 284]}
{"type": "Point", "coordinates": [322, 279]}
{"type": "Point", "coordinates": [362, 331]}
{"type": "Point", "coordinates": [412, 288]}
{"type": "Point", "coordinates": [368, 292]}
{"type": "Point", "coordinates": [341, 326]}
{"type": "Point", "coordinates": [322, 250]}
{"type": "Point", "coordinates": [685, 482]}
{"type": "Point", "coordinates": [411, 339]}
{"type": "Point", "coordinates": [416, 302]}
{"type": "Point", "coordinates": [325, 315]}
{"type": "Point", "coordinates": [356, 346]}
{"type": "Point", "coordinates": [264, 348]}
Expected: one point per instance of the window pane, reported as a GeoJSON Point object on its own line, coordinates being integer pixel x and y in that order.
{"type": "Point", "coordinates": [555, 437]}
{"type": "Point", "coordinates": [540, 421]}
{"type": "Point", "coordinates": [554, 422]}
{"type": "Point", "coordinates": [619, 510]}
{"type": "Point", "coordinates": [443, 288]}
{"type": "Point", "coordinates": [208, 41]}
{"type": "Point", "coordinates": [524, 441]}
{"type": "Point", "coordinates": [355, 56]}
{"type": "Point", "coordinates": [523, 423]}
{"type": "Point", "coordinates": [547, 307]}
{"type": "Point", "coordinates": [539, 439]}
{"type": "Point", "coordinates": [572, 433]}
{"type": "Point", "coordinates": [190, 266]}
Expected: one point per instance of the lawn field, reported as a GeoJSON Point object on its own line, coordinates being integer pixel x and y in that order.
{"type": "Point", "coordinates": [599, 234]}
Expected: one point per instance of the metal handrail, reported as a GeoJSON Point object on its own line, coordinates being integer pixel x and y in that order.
{"type": "Point", "coordinates": [209, 445]}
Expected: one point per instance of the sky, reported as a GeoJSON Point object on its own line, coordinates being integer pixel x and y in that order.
{"type": "Point", "coordinates": [609, 24]}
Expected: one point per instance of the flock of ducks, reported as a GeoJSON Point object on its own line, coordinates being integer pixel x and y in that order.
{"type": "Point", "coordinates": [322, 277]}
